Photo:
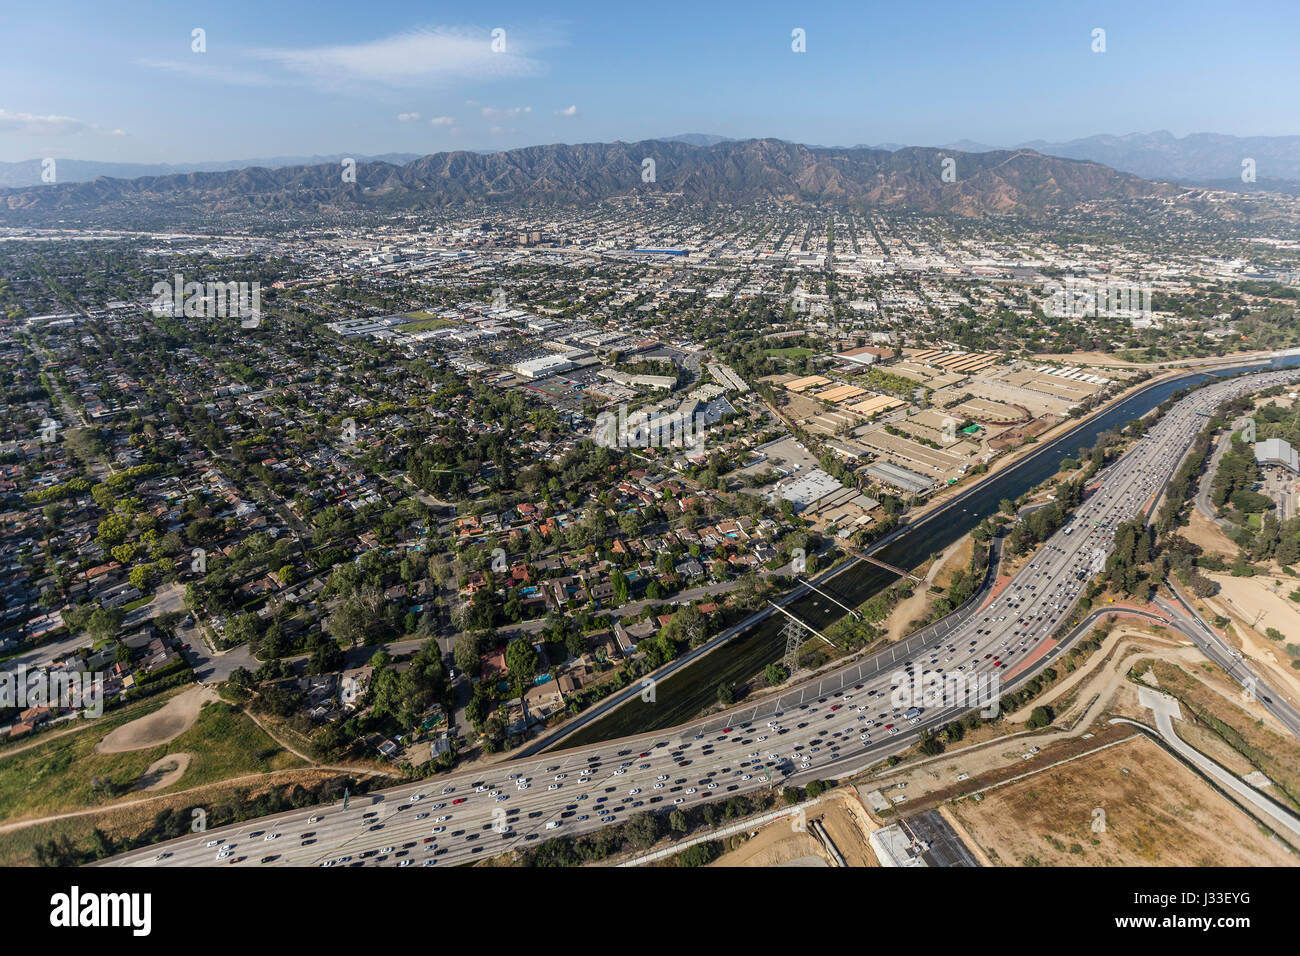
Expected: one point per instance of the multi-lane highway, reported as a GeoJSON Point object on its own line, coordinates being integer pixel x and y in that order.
{"type": "Point", "coordinates": [830, 726]}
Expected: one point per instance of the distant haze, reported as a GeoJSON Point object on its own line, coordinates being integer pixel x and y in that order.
{"type": "Point", "coordinates": [1196, 158]}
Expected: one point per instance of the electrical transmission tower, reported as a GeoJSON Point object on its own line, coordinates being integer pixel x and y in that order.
{"type": "Point", "coordinates": [795, 634]}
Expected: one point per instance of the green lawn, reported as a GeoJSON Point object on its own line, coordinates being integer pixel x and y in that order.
{"type": "Point", "coordinates": [56, 776]}
{"type": "Point", "coordinates": [431, 321]}
{"type": "Point", "coordinates": [790, 353]}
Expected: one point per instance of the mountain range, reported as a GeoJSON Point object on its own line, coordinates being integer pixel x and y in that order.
{"type": "Point", "coordinates": [1202, 158]}
{"type": "Point", "coordinates": [1020, 182]}
{"type": "Point", "coordinates": [1196, 158]}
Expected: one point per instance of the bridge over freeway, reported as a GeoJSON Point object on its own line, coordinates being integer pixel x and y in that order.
{"type": "Point", "coordinates": [883, 564]}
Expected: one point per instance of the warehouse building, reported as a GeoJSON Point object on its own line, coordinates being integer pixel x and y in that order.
{"type": "Point", "coordinates": [1277, 451]}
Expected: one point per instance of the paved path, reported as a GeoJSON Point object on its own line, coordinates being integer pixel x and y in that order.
{"type": "Point", "coordinates": [1164, 709]}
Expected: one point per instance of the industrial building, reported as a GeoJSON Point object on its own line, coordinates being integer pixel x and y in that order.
{"type": "Point", "coordinates": [900, 478]}
{"type": "Point", "coordinates": [1277, 451]}
{"type": "Point", "coordinates": [543, 366]}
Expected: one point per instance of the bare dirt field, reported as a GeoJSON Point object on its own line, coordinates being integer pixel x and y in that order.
{"type": "Point", "coordinates": [163, 725]}
{"type": "Point", "coordinates": [1202, 531]}
{"type": "Point", "coordinates": [779, 843]}
{"type": "Point", "coordinates": [1153, 812]}
{"type": "Point", "coordinates": [774, 845]}
{"type": "Point", "coordinates": [1253, 605]}
{"type": "Point", "coordinates": [850, 829]}
{"type": "Point", "coordinates": [164, 772]}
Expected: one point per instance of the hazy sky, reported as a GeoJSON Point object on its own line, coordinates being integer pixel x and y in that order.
{"type": "Point", "coordinates": [120, 81]}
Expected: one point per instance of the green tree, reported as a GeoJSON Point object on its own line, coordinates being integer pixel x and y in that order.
{"type": "Point", "coordinates": [522, 659]}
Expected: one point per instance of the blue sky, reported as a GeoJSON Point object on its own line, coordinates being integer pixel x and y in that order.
{"type": "Point", "coordinates": [119, 81]}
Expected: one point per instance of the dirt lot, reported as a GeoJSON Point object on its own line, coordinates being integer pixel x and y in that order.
{"type": "Point", "coordinates": [1156, 814]}
{"type": "Point", "coordinates": [778, 843]}
{"type": "Point", "coordinates": [1254, 604]}
{"type": "Point", "coordinates": [163, 725]}
{"type": "Point", "coordinates": [162, 773]}
{"type": "Point", "coordinates": [774, 845]}
{"type": "Point", "coordinates": [1202, 531]}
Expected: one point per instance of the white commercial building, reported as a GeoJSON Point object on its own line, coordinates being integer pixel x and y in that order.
{"type": "Point", "coordinates": [542, 367]}
{"type": "Point", "coordinates": [1277, 451]}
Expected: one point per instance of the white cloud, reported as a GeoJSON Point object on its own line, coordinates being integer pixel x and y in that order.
{"type": "Point", "coordinates": [407, 117]}
{"type": "Point", "coordinates": [30, 124]}
{"type": "Point", "coordinates": [568, 111]}
{"type": "Point", "coordinates": [510, 113]}
{"type": "Point", "coordinates": [441, 121]}
{"type": "Point", "coordinates": [435, 56]}
{"type": "Point", "coordinates": [51, 124]}
{"type": "Point", "coordinates": [200, 68]}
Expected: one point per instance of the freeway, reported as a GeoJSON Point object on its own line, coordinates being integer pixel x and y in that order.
{"type": "Point", "coordinates": [832, 725]}
{"type": "Point", "coordinates": [1213, 646]}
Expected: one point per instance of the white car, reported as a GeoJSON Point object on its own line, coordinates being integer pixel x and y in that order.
{"type": "Point", "coordinates": [635, 790]}
{"type": "Point", "coordinates": [690, 789]}
{"type": "Point", "coordinates": [560, 776]}
{"type": "Point", "coordinates": [270, 836]}
{"type": "Point", "coordinates": [554, 786]}
{"type": "Point", "coordinates": [314, 820]}
{"type": "Point", "coordinates": [442, 819]}
{"type": "Point", "coordinates": [553, 824]}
